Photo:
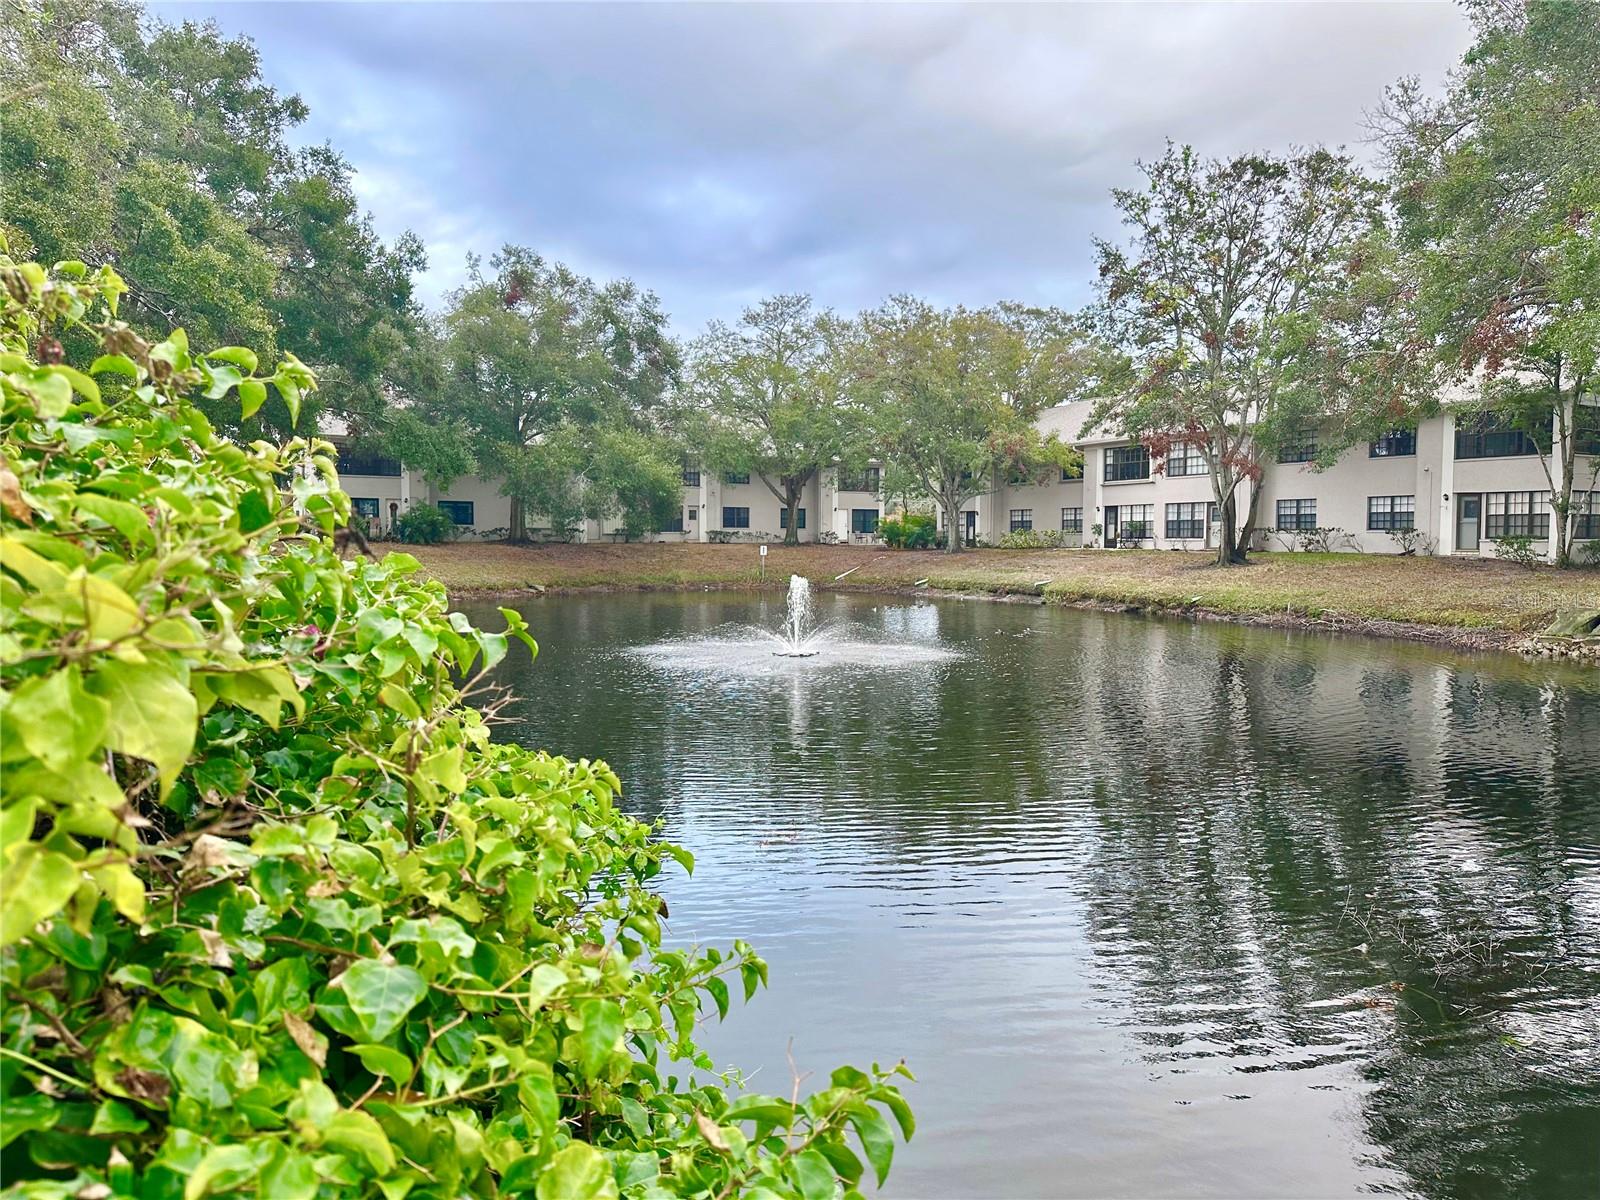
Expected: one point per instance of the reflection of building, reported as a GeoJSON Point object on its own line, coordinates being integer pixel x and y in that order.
{"type": "Point", "coordinates": [1453, 485]}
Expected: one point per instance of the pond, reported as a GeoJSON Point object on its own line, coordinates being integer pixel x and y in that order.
{"type": "Point", "coordinates": [1151, 908]}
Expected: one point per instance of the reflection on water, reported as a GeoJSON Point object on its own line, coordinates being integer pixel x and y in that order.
{"type": "Point", "coordinates": [1152, 909]}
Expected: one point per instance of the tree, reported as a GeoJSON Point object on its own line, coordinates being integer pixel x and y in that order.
{"type": "Point", "coordinates": [556, 380]}
{"type": "Point", "coordinates": [949, 396]}
{"type": "Point", "coordinates": [277, 915]}
{"type": "Point", "coordinates": [1224, 304]}
{"type": "Point", "coordinates": [767, 397]}
{"type": "Point", "coordinates": [174, 152]}
{"type": "Point", "coordinates": [1497, 187]}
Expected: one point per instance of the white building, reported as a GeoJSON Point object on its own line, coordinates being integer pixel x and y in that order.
{"type": "Point", "coordinates": [1453, 485]}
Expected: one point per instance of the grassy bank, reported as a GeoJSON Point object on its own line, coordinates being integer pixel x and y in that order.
{"type": "Point", "coordinates": [1459, 600]}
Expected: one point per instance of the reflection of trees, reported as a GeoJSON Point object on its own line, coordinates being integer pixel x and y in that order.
{"type": "Point", "coordinates": [1237, 812]}
{"type": "Point", "coordinates": [1426, 809]}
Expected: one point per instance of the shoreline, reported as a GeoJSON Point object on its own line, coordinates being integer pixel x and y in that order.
{"type": "Point", "coordinates": [1450, 637]}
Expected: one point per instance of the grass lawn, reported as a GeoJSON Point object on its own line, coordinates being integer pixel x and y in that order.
{"type": "Point", "coordinates": [1490, 599]}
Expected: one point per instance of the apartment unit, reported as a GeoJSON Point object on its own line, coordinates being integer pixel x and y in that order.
{"type": "Point", "coordinates": [1456, 484]}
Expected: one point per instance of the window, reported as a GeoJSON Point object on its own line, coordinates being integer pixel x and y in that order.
{"type": "Point", "coordinates": [1298, 449]}
{"type": "Point", "coordinates": [354, 462]}
{"type": "Point", "coordinates": [736, 518]}
{"type": "Point", "coordinates": [1586, 428]}
{"type": "Point", "coordinates": [1021, 518]}
{"type": "Point", "coordinates": [1072, 520]}
{"type": "Point", "coordinates": [1019, 477]}
{"type": "Point", "coordinates": [736, 477]}
{"type": "Point", "coordinates": [1127, 462]}
{"type": "Point", "coordinates": [799, 518]}
{"type": "Point", "coordinates": [691, 477]}
{"type": "Point", "coordinates": [459, 511]}
{"type": "Point", "coordinates": [1586, 506]}
{"type": "Point", "coordinates": [1397, 443]}
{"type": "Point", "coordinates": [1516, 514]}
{"type": "Point", "coordinates": [1186, 520]}
{"type": "Point", "coordinates": [863, 520]}
{"type": "Point", "coordinates": [1073, 472]}
{"type": "Point", "coordinates": [366, 506]}
{"type": "Point", "coordinates": [1297, 514]}
{"type": "Point", "coordinates": [1187, 460]}
{"type": "Point", "coordinates": [865, 480]}
{"type": "Point", "coordinates": [675, 525]}
{"type": "Point", "coordinates": [694, 515]}
{"type": "Point", "coordinates": [1391, 512]}
{"type": "Point", "coordinates": [1138, 522]}
{"type": "Point", "coordinates": [1489, 435]}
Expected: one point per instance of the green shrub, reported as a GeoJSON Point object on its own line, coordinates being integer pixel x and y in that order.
{"type": "Point", "coordinates": [909, 531]}
{"type": "Point", "coordinates": [1032, 539]}
{"type": "Point", "coordinates": [1518, 550]}
{"type": "Point", "coordinates": [278, 918]}
{"type": "Point", "coordinates": [424, 525]}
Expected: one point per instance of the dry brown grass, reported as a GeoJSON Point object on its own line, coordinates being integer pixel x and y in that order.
{"type": "Point", "coordinates": [1488, 598]}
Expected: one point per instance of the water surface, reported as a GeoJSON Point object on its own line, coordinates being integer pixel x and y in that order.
{"type": "Point", "coordinates": [1152, 909]}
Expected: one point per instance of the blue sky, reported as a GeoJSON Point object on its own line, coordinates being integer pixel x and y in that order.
{"type": "Point", "coordinates": [718, 153]}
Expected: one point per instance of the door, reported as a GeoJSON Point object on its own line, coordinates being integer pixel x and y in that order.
{"type": "Point", "coordinates": [970, 520]}
{"type": "Point", "coordinates": [1468, 509]}
{"type": "Point", "coordinates": [1111, 527]}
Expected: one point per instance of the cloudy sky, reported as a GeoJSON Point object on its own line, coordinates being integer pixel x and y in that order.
{"type": "Point", "coordinates": [717, 153]}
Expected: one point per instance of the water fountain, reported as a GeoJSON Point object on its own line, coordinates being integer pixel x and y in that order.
{"type": "Point", "coordinates": [802, 645]}
{"type": "Point", "coordinates": [799, 621]}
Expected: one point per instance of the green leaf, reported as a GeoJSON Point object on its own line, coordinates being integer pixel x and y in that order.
{"type": "Point", "coordinates": [252, 395]}
{"type": "Point", "coordinates": [240, 356]}
{"type": "Point", "coordinates": [360, 1134]}
{"type": "Point", "coordinates": [577, 1172]}
{"type": "Point", "coordinates": [382, 1060]}
{"type": "Point", "coordinates": [602, 1034]}
{"type": "Point", "coordinates": [56, 720]}
{"type": "Point", "coordinates": [152, 715]}
{"type": "Point", "coordinates": [380, 995]}
{"type": "Point", "coordinates": [814, 1175]}
{"type": "Point", "coordinates": [876, 1139]}
{"type": "Point", "coordinates": [127, 519]}
{"type": "Point", "coordinates": [113, 1116]}
{"type": "Point", "coordinates": [36, 883]}
{"type": "Point", "coordinates": [288, 1175]}
{"type": "Point", "coordinates": [115, 364]}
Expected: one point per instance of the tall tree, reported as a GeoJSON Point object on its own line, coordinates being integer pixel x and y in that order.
{"type": "Point", "coordinates": [1228, 303]}
{"type": "Point", "coordinates": [766, 396]}
{"type": "Point", "coordinates": [949, 396]}
{"type": "Point", "coordinates": [1497, 188]}
{"type": "Point", "coordinates": [175, 152]}
{"type": "Point", "coordinates": [557, 379]}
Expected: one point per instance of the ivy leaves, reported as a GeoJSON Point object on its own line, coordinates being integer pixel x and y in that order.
{"type": "Point", "coordinates": [380, 995]}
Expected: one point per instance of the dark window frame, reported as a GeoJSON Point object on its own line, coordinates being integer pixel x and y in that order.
{"type": "Point", "coordinates": [1389, 516]}
{"type": "Point", "coordinates": [377, 466]}
{"type": "Point", "coordinates": [865, 520]}
{"type": "Point", "coordinates": [1186, 519]}
{"type": "Point", "coordinates": [1490, 435]}
{"type": "Point", "coordinates": [799, 518]}
{"type": "Point", "coordinates": [1531, 521]}
{"type": "Point", "coordinates": [736, 516]}
{"type": "Point", "coordinates": [1303, 514]}
{"type": "Point", "coordinates": [691, 477]}
{"type": "Point", "coordinates": [1072, 524]}
{"type": "Point", "coordinates": [451, 509]}
{"type": "Point", "coordinates": [675, 525]}
{"type": "Point", "coordinates": [1187, 461]}
{"type": "Point", "coordinates": [736, 478]}
{"type": "Point", "coordinates": [869, 480]}
{"type": "Point", "coordinates": [1125, 464]}
{"type": "Point", "coordinates": [1020, 519]}
{"type": "Point", "coordinates": [1397, 443]}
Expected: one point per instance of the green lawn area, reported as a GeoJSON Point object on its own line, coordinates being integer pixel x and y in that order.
{"type": "Point", "coordinates": [1488, 598]}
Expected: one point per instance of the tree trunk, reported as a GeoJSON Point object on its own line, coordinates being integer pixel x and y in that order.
{"type": "Point", "coordinates": [519, 523]}
{"type": "Point", "coordinates": [791, 502]}
{"type": "Point", "coordinates": [952, 507]}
